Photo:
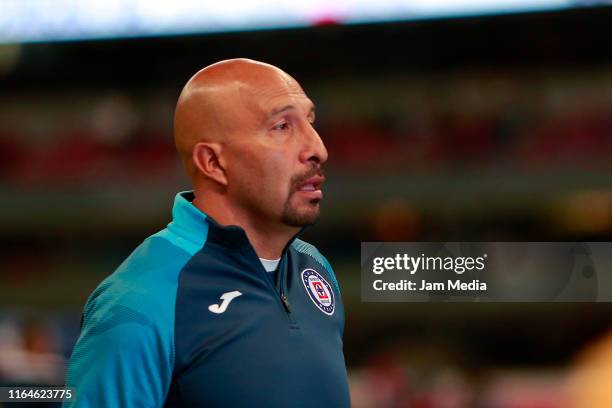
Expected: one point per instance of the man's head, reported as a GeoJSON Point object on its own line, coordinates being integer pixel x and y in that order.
{"type": "Point", "coordinates": [244, 130]}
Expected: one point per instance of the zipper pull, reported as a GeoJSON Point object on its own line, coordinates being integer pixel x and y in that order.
{"type": "Point", "coordinates": [286, 303]}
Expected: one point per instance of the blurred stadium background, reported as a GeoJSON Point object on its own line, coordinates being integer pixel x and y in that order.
{"type": "Point", "coordinates": [475, 123]}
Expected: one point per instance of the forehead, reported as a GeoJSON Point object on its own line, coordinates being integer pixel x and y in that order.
{"type": "Point", "coordinates": [269, 93]}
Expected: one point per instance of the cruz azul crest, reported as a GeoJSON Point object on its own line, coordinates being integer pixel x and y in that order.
{"type": "Point", "coordinates": [319, 291]}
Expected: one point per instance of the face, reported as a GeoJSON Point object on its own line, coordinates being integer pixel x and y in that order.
{"type": "Point", "coordinates": [274, 154]}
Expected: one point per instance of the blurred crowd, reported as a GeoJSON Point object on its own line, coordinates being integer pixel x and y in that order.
{"type": "Point", "coordinates": [32, 351]}
{"type": "Point", "coordinates": [405, 124]}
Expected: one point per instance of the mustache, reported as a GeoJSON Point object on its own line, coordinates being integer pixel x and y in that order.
{"type": "Point", "coordinates": [296, 180]}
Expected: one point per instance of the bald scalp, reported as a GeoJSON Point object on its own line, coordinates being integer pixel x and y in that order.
{"type": "Point", "coordinates": [211, 102]}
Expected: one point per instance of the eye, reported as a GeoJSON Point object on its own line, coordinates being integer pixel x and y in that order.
{"type": "Point", "coordinates": [281, 126]}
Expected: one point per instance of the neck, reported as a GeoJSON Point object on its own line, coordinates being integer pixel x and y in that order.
{"type": "Point", "coordinates": [267, 238]}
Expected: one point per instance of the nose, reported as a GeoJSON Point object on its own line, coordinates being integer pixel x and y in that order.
{"type": "Point", "coordinates": [314, 150]}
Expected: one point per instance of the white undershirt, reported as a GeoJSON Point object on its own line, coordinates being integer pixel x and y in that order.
{"type": "Point", "coordinates": [269, 264]}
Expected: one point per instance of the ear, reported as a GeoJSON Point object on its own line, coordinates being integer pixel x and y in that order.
{"type": "Point", "coordinates": [207, 160]}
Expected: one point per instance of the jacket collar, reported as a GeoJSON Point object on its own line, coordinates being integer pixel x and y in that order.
{"type": "Point", "coordinates": [193, 222]}
{"type": "Point", "coordinates": [186, 215]}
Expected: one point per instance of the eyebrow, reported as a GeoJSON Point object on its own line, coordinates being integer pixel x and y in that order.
{"type": "Point", "coordinates": [287, 108]}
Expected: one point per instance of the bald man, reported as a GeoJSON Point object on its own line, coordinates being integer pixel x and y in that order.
{"type": "Point", "coordinates": [226, 307]}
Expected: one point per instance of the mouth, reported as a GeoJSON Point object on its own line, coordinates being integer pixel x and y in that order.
{"type": "Point", "coordinates": [312, 187]}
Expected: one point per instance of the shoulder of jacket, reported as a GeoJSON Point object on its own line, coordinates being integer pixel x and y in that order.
{"type": "Point", "coordinates": [144, 286]}
{"type": "Point", "coordinates": [312, 251]}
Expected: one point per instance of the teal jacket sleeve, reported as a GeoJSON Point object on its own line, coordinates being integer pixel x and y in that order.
{"type": "Point", "coordinates": [120, 360]}
{"type": "Point", "coordinates": [124, 356]}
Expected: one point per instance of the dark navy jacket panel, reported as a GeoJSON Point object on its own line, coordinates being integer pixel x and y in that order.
{"type": "Point", "coordinates": [256, 352]}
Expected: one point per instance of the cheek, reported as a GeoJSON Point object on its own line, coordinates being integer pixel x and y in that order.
{"type": "Point", "coordinates": [266, 175]}
{"type": "Point", "coordinates": [279, 172]}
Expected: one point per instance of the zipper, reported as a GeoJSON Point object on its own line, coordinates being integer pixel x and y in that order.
{"type": "Point", "coordinates": [280, 293]}
{"type": "Point", "coordinates": [282, 278]}
{"type": "Point", "coordinates": [285, 302]}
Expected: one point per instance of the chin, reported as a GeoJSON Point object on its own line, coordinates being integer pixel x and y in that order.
{"type": "Point", "coordinates": [301, 217]}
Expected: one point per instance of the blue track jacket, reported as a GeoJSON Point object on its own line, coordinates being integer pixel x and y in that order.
{"type": "Point", "coordinates": [192, 319]}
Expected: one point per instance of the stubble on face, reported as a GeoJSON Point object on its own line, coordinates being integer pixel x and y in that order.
{"type": "Point", "coordinates": [295, 215]}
